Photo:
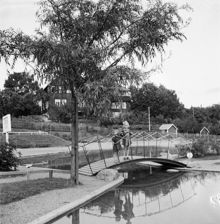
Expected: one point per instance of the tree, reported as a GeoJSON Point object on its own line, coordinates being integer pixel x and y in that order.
{"type": "Point", "coordinates": [163, 102]}
{"type": "Point", "coordinates": [17, 105]}
{"type": "Point", "coordinates": [22, 83]}
{"type": "Point", "coordinates": [8, 160]}
{"type": "Point", "coordinates": [99, 95]}
{"type": "Point", "coordinates": [20, 95]}
{"type": "Point", "coordinates": [84, 40]}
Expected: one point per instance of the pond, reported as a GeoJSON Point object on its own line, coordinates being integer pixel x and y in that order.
{"type": "Point", "coordinates": [154, 195]}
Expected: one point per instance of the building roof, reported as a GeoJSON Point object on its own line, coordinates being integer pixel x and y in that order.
{"type": "Point", "coordinates": [204, 129]}
{"type": "Point", "coordinates": [167, 126]}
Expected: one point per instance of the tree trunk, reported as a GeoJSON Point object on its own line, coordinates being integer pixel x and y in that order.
{"type": "Point", "coordinates": [74, 176]}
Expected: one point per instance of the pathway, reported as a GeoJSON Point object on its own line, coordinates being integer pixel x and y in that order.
{"type": "Point", "coordinates": [94, 146]}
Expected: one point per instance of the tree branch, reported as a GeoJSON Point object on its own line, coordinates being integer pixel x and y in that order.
{"type": "Point", "coordinates": [101, 28]}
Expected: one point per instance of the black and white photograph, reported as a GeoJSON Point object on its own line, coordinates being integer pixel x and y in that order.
{"type": "Point", "coordinates": [109, 111]}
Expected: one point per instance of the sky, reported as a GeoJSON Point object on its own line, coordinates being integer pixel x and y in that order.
{"type": "Point", "coordinates": [192, 68]}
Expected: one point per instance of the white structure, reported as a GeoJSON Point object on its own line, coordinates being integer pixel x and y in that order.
{"type": "Point", "coordinates": [168, 129]}
{"type": "Point", "coordinates": [204, 131]}
{"type": "Point", "coordinates": [6, 123]}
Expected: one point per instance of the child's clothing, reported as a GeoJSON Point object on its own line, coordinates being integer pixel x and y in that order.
{"type": "Point", "coordinates": [116, 143]}
{"type": "Point", "coordinates": [116, 147]}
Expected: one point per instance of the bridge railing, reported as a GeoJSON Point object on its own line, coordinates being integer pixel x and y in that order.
{"type": "Point", "coordinates": [142, 144]}
{"type": "Point", "coordinates": [149, 201]}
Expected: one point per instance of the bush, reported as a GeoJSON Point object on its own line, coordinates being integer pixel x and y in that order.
{"type": "Point", "coordinates": [107, 121]}
{"type": "Point", "coordinates": [183, 149]}
{"type": "Point", "coordinates": [200, 148]}
{"type": "Point", "coordinates": [8, 160]}
{"type": "Point", "coordinates": [60, 114]}
{"type": "Point", "coordinates": [67, 137]}
{"type": "Point", "coordinates": [216, 147]}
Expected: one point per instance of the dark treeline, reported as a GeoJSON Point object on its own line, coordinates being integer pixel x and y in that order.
{"type": "Point", "coordinates": [165, 107]}
{"type": "Point", "coordinates": [21, 96]}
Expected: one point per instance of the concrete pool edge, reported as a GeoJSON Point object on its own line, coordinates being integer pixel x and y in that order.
{"type": "Point", "coordinates": [198, 169]}
{"type": "Point", "coordinates": [55, 214]}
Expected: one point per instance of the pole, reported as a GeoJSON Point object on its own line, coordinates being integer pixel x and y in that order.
{"type": "Point", "coordinates": [7, 137]}
{"type": "Point", "coordinates": [168, 149]}
{"type": "Point", "coordinates": [149, 118]}
{"type": "Point", "coordinates": [74, 173]}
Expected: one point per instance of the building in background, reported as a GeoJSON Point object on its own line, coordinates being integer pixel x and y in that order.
{"type": "Point", "coordinates": [60, 96]}
{"type": "Point", "coordinates": [123, 106]}
{"type": "Point", "coordinates": [204, 131]}
{"type": "Point", "coordinates": [168, 129]}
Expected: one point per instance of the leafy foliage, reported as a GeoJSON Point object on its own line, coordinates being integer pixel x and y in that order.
{"type": "Point", "coordinates": [194, 119]}
{"type": "Point", "coordinates": [203, 146]}
{"type": "Point", "coordinates": [162, 102]}
{"type": "Point", "coordinates": [20, 95]}
{"type": "Point", "coordinates": [60, 114]}
{"type": "Point", "coordinates": [85, 39]}
{"type": "Point", "coordinates": [8, 160]}
{"type": "Point", "coordinates": [99, 95]}
{"type": "Point", "coordinates": [21, 83]}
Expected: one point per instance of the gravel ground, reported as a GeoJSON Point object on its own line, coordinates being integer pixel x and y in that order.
{"type": "Point", "coordinates": [29, 209]}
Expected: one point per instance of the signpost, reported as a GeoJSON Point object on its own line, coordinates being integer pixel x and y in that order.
{"type": "Point", "coordinates": [6, 122]}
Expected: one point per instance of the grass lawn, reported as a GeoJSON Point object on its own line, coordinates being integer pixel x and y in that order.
{"type": "Point", "coordinates": [11, 192]}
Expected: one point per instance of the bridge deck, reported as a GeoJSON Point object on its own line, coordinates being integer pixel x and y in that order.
{"type": "Point", "coordinates": [95, 167]}
{"type": "Point", "coordinates": [101, 165]}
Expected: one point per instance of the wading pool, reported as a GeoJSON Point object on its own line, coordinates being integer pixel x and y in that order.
{"type": "Point", "coordinates": [155, 196]}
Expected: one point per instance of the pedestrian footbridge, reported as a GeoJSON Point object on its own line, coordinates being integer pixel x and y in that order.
{"type": "Point", "coordinates": [93, 168]}
{"type": "Point", "coordinates": [146, 149]}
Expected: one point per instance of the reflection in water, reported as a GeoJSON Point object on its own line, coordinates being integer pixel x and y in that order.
{"type": "Point", "coordinates": [128, 209]}
{"type": "Point", "coordinates": [118, 205]}
{"type": "Point", "coordinates": [152, 195]}
{"type": "Point", "coordinates": [145, 193]}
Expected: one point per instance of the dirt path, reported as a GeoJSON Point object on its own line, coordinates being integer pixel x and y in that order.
{"type": "Point", "coordinates": [105, 146]}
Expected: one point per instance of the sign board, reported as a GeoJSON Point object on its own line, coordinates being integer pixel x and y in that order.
{"type": "Point", "coordinates": [6, 122]}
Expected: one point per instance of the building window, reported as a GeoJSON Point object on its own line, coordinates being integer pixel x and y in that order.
{"type": "Point", "coordinates": [63, 101]}
{"type": "Point", "coordinates": [57, 102]}
{"type": "Point", "coordinates": [60, 102]}
{"type": "Point", "coordinates": [115, 105]}
{"type": "Point", "coordinates": [123, 105]}
{"type": "Point", "coordinates": [118, 105]}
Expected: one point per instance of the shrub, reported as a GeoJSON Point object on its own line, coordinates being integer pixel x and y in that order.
{"type": "Point", "coordinates": [67, 137]}
{"type": "Point", "coordinates": [183, 149]}
{"type": "Point", "coordinates": [200, 148]}
{"type": "Point", "coordinates": [216, 147]}
{"type": "Point", "coordinates": [61, 114]}
{"type": "Point", "coordinates": [8, 160]}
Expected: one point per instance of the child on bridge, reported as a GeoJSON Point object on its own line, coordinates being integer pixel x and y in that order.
{"type": "Point", "coordinates": [116, 145]}
{"type": "Point", "coordinates": [126, 139]}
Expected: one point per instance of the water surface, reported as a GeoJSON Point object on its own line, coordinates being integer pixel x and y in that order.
{"type": "Point", "coordinates": [155, 196]}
